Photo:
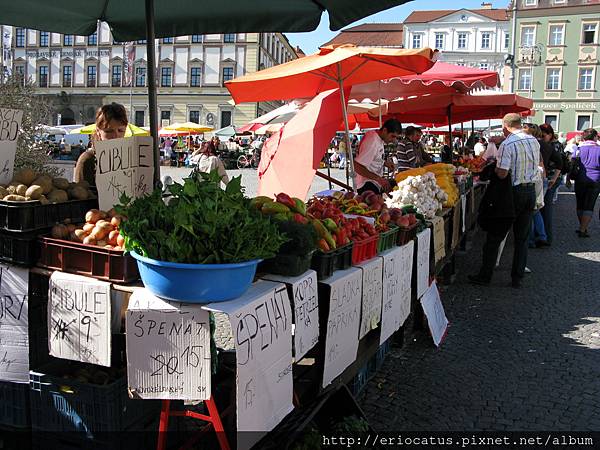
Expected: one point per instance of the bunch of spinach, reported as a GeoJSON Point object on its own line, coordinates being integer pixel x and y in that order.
{"type": "Point", "coordinates": [200, 224]}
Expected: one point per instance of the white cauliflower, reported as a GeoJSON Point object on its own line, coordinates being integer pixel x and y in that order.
{"type": "Point", "coordinates": [421, 191]}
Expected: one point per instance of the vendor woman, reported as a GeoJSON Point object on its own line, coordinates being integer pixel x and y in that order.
{"type": "Point", "coordinates": [111, 123]}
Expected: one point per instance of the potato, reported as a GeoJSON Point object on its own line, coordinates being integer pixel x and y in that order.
{"type": "Point", "coordinates": [99, 233]}
{"type": "Point", "coordinates": [34, 191]}
{"type": "Point", "coordinates": [80, 235]}
{"type": "Point", "coordinates": [105, 225]}
{"type": "Point", "coordinates": [101, 243]}
{"type": "Point", "coordinates": [25, 176]}
{"type": "Point", "coordinates": [3, 192]}
{"type": "Point", "coordinates": [118, 248]}
{"type": "Point", "coordinates": [14, 198]}
{"type": "Point", "coordinates": [111, 212]}
{"type": "Point", "coordinates": [108, 247]}
{"type": "Point", "coordinates": [78, 193]}
{"type": "Point", "coordinates": [61, 183]}
{"type": "Point", "coordinates": [112, 237]}
{"type": "Point", "coordinates": [21, 190]}
{"type": "Point", "coordinates": [45, 182]}
{"type": "Point", "coordinates": [89, 240]}
{"type": "Point", "coordinates": [88, 227]}
{"type": "Point", "coordinates": [11, 189]}
{"type": "Point", "coordinates": [43, 200]}
{"type": "Point", "coordinates": [60, 231]}
{"type": "Point", "coordinates": [94, 215]}
{"type": "Point", "coordinates": [58, 196]}
{"type": "Point", "coordinates": [116, 221]}
{"type": "Point", "coordinates": [83, 184]}
{"type": "Point", "coordinates": [120, 241]}
{"type": "Point", "coordinates": [71, 227]}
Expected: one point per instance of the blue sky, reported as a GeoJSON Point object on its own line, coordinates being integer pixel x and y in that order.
{"type": "Point", "coordinates": [309, 42]}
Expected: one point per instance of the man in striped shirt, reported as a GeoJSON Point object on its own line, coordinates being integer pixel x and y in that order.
{"type": "Point", "coordinates": [518, 158]}
{"type": "Point", "coordinates": [410, 152]}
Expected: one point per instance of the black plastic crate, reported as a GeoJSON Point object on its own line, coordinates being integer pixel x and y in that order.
{"type": "Point", "coordinates": [20, 248]}
{"type": "Point", "coordinates": [31, 216]}
{"type": "Point", "coordinates": [14, 404]}
{"type": "Point", "coordinates": [343, 256]}
{"type": "Point", "coordinates": [60, 404]}
{"type": "Point", "coordinates": [324, 263]}
{"type": "Point", "coordinates": [38, 320]}
{"type": "Point", "coordinates": [287, 265]}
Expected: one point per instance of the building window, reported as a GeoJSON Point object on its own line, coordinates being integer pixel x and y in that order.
{"type": "Point", "coordinates": [506, 40]}
{"type": "Point", "coordinates": [529, 2]}
{"type": "Point", "coordinates": [116, 75]}
{"type": "Point", "coordinates": [527, 36]}
{"type": "Point", "coordinates": [589, 33]}
{"type": "Point", "coordinates": [439, 41]}
{"type": "Point", "coordinates": [584, 122]}
{"type": "Point", "coordinates": [552, 120]}
{"type": "Point", "coordinates": [195, 116]}
{"type": "Point", "coordinates": [166, 75]}
{"type": "Point", "coordinates": [585, 79]}
{"type": "Point", "coordinates": [43, 78]}
{"type": "Point", "coordinates": [139, 118]}
{"type": "Point", "coordinates": [225, 118]}
{"type": "Point", "coordinates": [140, 77]}
{"type": "Point", "coordinates": [524, 79]}
{"type": "Point", "coordinates": [91, 76]}
{"type": "Point", "coordinates": [462, 40]}
{"type": "Point", "coordinates": [167, 40]}
{"type": "Point", "coordinates": [416, 41]}
{"type": "Point", "coordinates": [229, 38]}
{"type": "Point", "coordinates": [553, 79]}
{"type": "Point", "coordinates": [93, 39]}
{"type": "Point", "coordinates": [68, 39]}
{"type": "Point", "coordinates": [196, 38]}
{"type": "Point", "coordinates": [165, 117]}
{"type": "Point", "coordinates": [67, 76]}
{"type": "Point", "coordinates": [227, 74]}
{"type": "Point", "coordinates": [560, 2]}
{"type": "Point", "coordinates": [484, 66]}
{"type": "Point", "coordinates": [195, 76]}
{"type": "Point", "coordinates": [20, 37]}
{"type": "Point", "coordinates": [44, 39]}
{"type": "Point", "coordinates": [20, 74]}
{"type": "Point", "coordinates": [486, 40]}
{"type": "Point", "coordinates": [556, 35]}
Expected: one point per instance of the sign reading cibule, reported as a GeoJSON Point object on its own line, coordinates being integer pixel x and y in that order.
{"type": "Point", "coordinates": [123, 166]}
{"type": "Point", "coordinates": [10, 123]}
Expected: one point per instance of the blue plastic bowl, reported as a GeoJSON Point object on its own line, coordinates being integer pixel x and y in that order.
{"type": "Point", "coordinates": [196, 283]}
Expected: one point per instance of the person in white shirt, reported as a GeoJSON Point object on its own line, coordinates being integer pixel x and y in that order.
{"type": "Point", "coordinates": [370, 161]}
{"type": "Point", "coordinates": [491, 152]}
{"type": "Point", "coordinates": [480, 147]}
{"type": "Point", "coordinates": [207, 161]}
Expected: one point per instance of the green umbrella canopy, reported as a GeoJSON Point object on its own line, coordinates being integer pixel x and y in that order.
{"type": "Point", "coordinates": [127, 19]}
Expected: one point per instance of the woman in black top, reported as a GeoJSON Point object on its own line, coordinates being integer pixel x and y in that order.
{"type": "Point", "coordinates": [553, 163]}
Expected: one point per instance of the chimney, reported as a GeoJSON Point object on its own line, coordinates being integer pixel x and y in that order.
{"type": "Point", "coordinates": [486, 5]}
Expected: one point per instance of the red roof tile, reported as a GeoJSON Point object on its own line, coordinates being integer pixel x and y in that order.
{"type": "Point", "coordinates": [371, 34]}
{"type": "Point", "coordinates": [430, 16]}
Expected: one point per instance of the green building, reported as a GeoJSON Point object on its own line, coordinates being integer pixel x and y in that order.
{"type": "Point", "coordinates": [557, 61]}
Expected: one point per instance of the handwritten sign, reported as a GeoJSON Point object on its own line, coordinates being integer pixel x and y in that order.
{"type": "Point", "coordinates": [123, 166]}
{"type": "Point", "coordinates": [372, 295]}
{"type": "Point", "coordinates": [463, 209]}
{"type": "Point", "coordinates": [79, 318]}
{"type": "Point", "coordinates": [303, 292]}
{"type": "Point", "coordinates": [14, 324]}
{"type": "Point", "coordinates": [423, 244]}
{"type": "Point", "coordinates": [261, 321]}
{"type": "Point", "coordinates": [439, 239]}
{"type": "Point", "coordinates": [344, 291]}
{"type": "Point", "coordinates": [10, 123]}
{"type": "Point", "coordinates": [168, 349]}
{"type": "Point", "coordinates": [434, 311]}
{"type": "Point", "coordinates": [397, 277]}
{"type": "Point", "coordinates": [456, 226]}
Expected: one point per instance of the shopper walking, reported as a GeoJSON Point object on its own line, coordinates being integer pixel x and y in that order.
{"type": "Point", "coordinates": [537, 236]}
{"type": "Point", "coordinates": [553, 162]}
{"type": "Point", "coordinates": [587, 183]}
{"type": "Point", "coordinates": [518, 159]}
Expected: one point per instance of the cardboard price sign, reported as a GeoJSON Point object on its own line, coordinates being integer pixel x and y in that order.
{"type": "Point", "coordinates": [303, 292]}
{"type": "Point", "coordinates": [372, 295]}
{"type": "Point", "coordinates": [10, 123]}
{"type": "Point", "coordinates": [423, 248]}
{"type": "Point", "coordinates": [261, 321]}
{"type": "Point", "coordinates": [123, 166]}
{"type": "Point", "coordinates": [79, 318]}
{"type": "Point", "coordinates": [14, 324]}
{"type": "Point", "coordinates": [434, 311]}
{"type": "Point", "coordinates": [397, 278]}
{"type": "Point", "coordinates": [168, 349]}
{"type": "Point", "coordinates": [344, 291]}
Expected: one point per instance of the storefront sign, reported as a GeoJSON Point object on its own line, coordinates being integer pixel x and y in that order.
{"type": "Point", "coordinates": [79, 318]}
{"type": "Point", "coordinates": [261, 321]}
{"type": "Point", "coordinates": [67, 53]}
{"type": "Point", "coordinates": [584, 106]}
{"type": "Point", "coordinates": [397, 278]}
{"type": "Point", "coordinates": [123, 166]}
{"type": "Point", "coordinates": [372, 295]}
{"type": "Point", "coordinates": [434, 311]}
{"type": "Point", "coordinates": [10, 123]}
{"type": "Point", "coordinates": [344, 291]}
{"type": "Point", "coordinates": [14, 324]}
{"type": "Point", "coordinates": [303, 292]}
{"type": "Point", "coordinates": [168, 349]}
{"type": "Point", "coordinates": [423, 247]}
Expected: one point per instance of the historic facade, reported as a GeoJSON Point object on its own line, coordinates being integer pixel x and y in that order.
{"type": "Point", "coordinates": [80, 73]}
{"type": "Point", "coordinates": [558, 56]}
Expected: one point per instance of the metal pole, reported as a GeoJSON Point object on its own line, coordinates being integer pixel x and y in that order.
{"type": "Point", "coordinates": [379, 101]}
{"type": "Point", "coordinates": [152, 100]}
{"type": "Point", "coordinates": [513, 49]}
{"type": "Point", "coordinates": [346, 127]}
{"type": "Point", "coordinates": [450, 125]}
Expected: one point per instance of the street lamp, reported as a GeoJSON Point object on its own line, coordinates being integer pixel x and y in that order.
{"type": "Point", "coordinates": [533, 54]}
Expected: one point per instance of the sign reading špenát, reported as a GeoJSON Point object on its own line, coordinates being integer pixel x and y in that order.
{"type": "Point", "coordinates": [14, 324]}
{"type": "Point", "coordinates": [372, 295]}
{"type": "Point", "coordinates": [10, 123]}
{"type": "Point", "coordinates": [79, 318]}
{"type": "Point", "coordinates": [168, 349]}
{"type": "Point", "coordinates": [261, 322]}
{"type": "Point", "coordinates": [344, 291]}
{"type": "Point", "coordinates": [123, 166]}
{"type": "Point", "coordinates": [304, 295]}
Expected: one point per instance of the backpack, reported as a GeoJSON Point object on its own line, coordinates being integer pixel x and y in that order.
{"type": "Point", "coordinates": [566, 161]}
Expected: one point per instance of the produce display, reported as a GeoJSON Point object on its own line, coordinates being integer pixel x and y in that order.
{"type": "Point", "coordinates": [27, 186]}
{"type": "Point", "coordinates": [366, 204]}
{"type": "Point", "coordinates": [200, 223]}
{"type": "Point", "coordinates": [100, 229]}
{"type": "Point", "coordinates": [475, 165]}
{"type": "Point", "coordinates": [444, 177]}
{"type": "Point", "coordinates": [421, 191]}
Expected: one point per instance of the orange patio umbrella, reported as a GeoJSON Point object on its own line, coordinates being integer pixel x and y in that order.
{"type": "Point", "coordinates": [332, 67]}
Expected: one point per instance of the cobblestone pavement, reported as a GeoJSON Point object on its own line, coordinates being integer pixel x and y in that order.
{"type": "Point", "coordinates": [513, 360]}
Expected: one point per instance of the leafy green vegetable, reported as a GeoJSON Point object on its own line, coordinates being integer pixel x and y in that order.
{"type": "Point", "coordinates": [302, 238]}
{"type": "Point", "coordinates": [200, 224]}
